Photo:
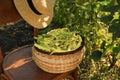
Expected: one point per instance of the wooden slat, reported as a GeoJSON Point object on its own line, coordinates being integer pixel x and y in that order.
{"type": "Point", "coordinates": [1, 60]}
{"type": "Point", "coordinates": [1, 55]}
{"type": "Point", "coordinates": [35, 32]}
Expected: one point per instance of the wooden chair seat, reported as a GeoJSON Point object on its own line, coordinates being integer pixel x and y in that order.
{"type": "Point", "coordinates": [18, 65]}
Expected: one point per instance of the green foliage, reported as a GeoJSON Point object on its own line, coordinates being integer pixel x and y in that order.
{"type": "Point", "coordinates": [98, 21]}
{"type": "Point", "coordinates": [58, 41]}
{"type": "Point", "coordinates": [96, 55]}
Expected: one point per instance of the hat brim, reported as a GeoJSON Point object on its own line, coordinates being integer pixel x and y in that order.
{"type": "Point", "coordinates": [37, 21]}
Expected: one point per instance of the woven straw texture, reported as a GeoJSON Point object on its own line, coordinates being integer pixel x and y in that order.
{"type": "Point", "coordinates": [57, 63]}
{"type": "Point", "coordinates": [45, 7]}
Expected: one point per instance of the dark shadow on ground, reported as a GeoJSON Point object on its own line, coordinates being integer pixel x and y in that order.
{"type": "Point", "coordinates": [15, 35]}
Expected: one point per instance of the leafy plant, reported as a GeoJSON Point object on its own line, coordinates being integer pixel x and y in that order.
{"type": "Point", "coordinates": [98, 21]}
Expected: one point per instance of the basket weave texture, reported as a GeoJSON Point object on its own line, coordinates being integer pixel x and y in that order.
{"type": "Point", "coordinates": [57, 63]}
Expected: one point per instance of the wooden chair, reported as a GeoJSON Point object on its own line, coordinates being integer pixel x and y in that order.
{"type": "Point", "coordinates": [8, 14]}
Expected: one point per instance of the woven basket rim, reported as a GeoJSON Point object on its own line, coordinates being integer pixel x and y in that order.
{"type": "Point", "coordinates": [61, 53]}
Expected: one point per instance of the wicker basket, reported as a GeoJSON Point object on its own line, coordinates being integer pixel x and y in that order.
{"type": "Point", "coordinates": [57, 63]}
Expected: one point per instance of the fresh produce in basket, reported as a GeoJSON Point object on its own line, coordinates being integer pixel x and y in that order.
{"type": "Point", "coordinates": [58, 41]}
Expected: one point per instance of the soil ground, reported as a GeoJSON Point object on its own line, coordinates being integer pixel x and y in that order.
{"type": "Point", "coordinates": [15, 35]}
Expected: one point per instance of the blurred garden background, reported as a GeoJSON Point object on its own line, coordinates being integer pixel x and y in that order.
{"type": "Point", "coordinates": [98, 21]}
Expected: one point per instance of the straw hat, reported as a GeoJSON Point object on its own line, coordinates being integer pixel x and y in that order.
{"type": "Point", "coordinates": [38, 13]}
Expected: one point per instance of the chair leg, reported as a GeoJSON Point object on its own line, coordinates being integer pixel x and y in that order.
{"type": "Point", "coordinates": [3, 77]}
{"type": "Point", "coordinates": [75, 74]}
{"type": "Point", "coordinates": [1, 60]}
{"type": "Point", "coordinates": [72, 75]}
{"type": "Point", "coordinates": [35, 32]}
{"type": "Point", "coordinates": [61, 76]}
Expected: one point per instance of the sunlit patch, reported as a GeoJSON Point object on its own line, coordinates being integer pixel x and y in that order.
{"type": "Point", "coordinates": [46, 18]}
{"type": "Point", "coordinates": [44, 3]}
{"type": "Point", "coordinates": [19, 63]}
{"type": "Point", "coordinates": [39, 20]}
{"type": "Point", "coordinates": [44, 24]}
